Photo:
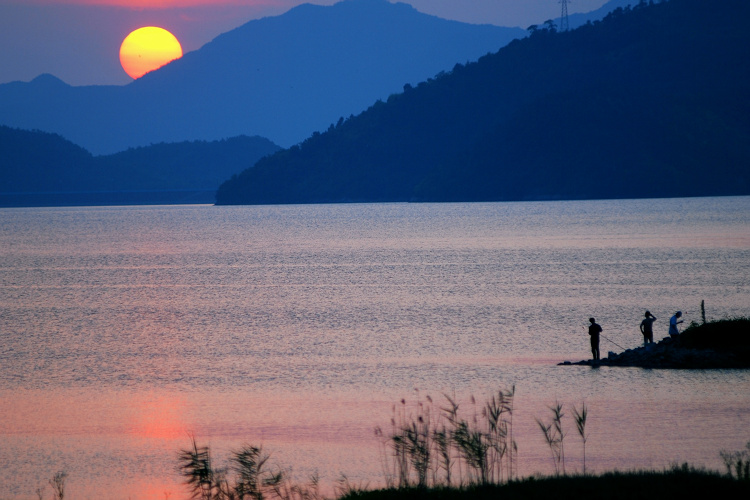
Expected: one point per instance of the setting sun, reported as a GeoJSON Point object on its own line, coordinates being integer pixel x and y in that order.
{"type": "Point", "coordinates": [147, 49]}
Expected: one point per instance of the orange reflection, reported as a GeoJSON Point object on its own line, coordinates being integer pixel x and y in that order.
{"type": "Point", "coordinates": [159, 418]}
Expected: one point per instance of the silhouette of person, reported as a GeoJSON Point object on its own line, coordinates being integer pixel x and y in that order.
{"type": "Point", "coordinates": [647, 328]}
{"type": "Point", "coordinates": [673, 322]}
{"type": "Point", "coordinates": [594, 331]}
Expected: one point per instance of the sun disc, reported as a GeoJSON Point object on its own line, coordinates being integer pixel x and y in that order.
{"type": "Point", "coordinates": [147, 49]}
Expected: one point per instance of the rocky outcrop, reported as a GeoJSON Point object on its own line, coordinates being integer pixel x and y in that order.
{"type": "Point", "coordinates": [721, 344]}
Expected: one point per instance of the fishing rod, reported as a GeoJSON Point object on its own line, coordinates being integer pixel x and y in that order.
{"type": "Point", "coordinates": [615, 343]}
{"type": "Point", "coordinates": [605, 338]}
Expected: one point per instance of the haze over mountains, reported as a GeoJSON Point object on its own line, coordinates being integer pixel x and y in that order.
{"type": "Point", "coordinates": [280, 77]}
{"type": "Point", "coordinates": [650, 102]}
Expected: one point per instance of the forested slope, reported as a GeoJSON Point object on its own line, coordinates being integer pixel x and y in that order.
{"type": "Point", "coordinates": [652, 101]}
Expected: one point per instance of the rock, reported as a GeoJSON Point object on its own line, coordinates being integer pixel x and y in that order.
{"type": "Point", "coordinates": [718, 344]}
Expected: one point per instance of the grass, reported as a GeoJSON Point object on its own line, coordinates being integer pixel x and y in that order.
{"type": "Point", "coordinates": [737, 463]}
{"type": "Point", "coordinates": [677, 483]}
{"type": "Point", "coordinates": [248, 476]}
{"type": "Point", "coordinates": [432, 445]}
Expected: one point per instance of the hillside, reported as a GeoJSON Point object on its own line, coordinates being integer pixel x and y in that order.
{"type": "Point", "coordinates": [39, 168]}
{"type": "Point", "coordinates": [649, 102]}
{"type": "Point", "coordinates": [280, 77]}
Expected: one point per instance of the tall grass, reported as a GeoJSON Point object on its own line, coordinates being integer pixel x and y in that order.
{"type": "Point", "coordinates": [554, 436]}
{"type": "Point", "coordinates": [580, 419]}
{"type": "Point", "coordinates": [441, 446]}
{"type": "Point", "coordinates": [737, 463]}
{"type": "Point", "coordinates": [429, 445]}
{"type": "Point", "coordinates": [57, 483]}
{"type": "Point", "coordinates": [247, 476]}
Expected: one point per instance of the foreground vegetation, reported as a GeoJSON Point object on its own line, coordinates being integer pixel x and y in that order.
{"type": "Point", "coordinates": [475, 451]}
{"type": "Point", "coordinates": [679, 482]}
{"type": "Point", "coordinates": [432, 451]}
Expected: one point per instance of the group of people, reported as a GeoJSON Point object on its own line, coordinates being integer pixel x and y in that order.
{"type": "Point", "coordinates": [647, 329]}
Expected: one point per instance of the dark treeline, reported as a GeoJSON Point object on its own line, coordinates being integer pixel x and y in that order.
{"type": "Point", "coordinates": [652, 101]}
{"type": "Point", "coordinates": [40, 168]}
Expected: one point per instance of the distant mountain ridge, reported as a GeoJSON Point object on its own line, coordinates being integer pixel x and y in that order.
{"type": "Point", "coordinates": [280, 77]}
{"type": "Point", "coordinates": [43, 169]}
{"type": "Point", "coordinates": [652, 101]}
{"type": "Point", "coordinates": [579, 19]}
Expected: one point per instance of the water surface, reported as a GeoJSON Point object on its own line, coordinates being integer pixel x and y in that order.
{"type": "Point", "coordinates": [126, 329]}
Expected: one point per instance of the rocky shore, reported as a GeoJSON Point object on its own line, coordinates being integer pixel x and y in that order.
{"type": "Point", "coordinates": [718, 344]}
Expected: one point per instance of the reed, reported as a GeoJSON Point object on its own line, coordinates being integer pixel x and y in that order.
{"type": "Point", "coordinates": [58, 485]}
{"type": "Point", "coordinates": [554, 436]}
{"type": "Point", "coordinates": [737, 463]}
{"type": "Point", "coordinates": [426, 444]}
{"type": "Point", "coordinates": [580, 419]}
{"type": "Point", "coordinates": [197, 468]}
{"type": "Point", "coordinates": [345, 488]}
{"type": "Point", "coordinates": [252, 477]}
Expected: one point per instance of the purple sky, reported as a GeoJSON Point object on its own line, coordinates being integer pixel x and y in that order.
{"type": "Point", "coordinates": [79, 40]}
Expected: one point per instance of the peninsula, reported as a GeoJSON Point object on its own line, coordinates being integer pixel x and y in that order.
{"type": "Point", "coordinates": [715, 344]}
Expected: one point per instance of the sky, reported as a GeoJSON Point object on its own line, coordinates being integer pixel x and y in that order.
{"type": "Point", "coordinates": [78, 41]}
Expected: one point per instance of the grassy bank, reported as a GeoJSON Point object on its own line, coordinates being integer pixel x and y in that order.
{"type": "Point", "coordinates": [678, 483]}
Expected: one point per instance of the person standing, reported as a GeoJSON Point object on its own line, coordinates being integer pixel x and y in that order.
{"type": "Point", "coordinates": [594, 331]}
{"type": "Point", "coordinates": [647, 328]}
{"type": "Point", "coordinates": [673, 322]}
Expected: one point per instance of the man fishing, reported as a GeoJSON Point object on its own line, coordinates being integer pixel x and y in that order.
{"type": "Point", "coordinates": [594, 331]}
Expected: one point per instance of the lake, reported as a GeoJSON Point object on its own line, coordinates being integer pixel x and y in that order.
{"type": "Point", "coordinates": [125, 330]}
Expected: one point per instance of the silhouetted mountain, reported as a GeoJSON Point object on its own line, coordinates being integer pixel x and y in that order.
{"type": "Point", "coordinates": [578, 20]}
{"type": "Point", "coordinates": [39, 161]}
{"type": "Point", "coordinates": [39, 168]}
{"type": "Point", "coordinates": [280, 77]}
{"type": "Point", "coordinates": [649, 102]}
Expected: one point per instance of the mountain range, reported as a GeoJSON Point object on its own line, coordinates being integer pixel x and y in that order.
{"type": "Point", "coordinates": [44, 169]}
{"type": "Point", "coordinates": [652, 101]}
{"type": "Point", "coordinates": [280, 77]}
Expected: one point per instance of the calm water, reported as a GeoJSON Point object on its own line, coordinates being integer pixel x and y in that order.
{"type": "Point", "coordinates": [126, 329]}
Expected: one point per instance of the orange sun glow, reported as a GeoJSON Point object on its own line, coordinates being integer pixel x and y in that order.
{"type": "Point", "coordinates": [147, 49]}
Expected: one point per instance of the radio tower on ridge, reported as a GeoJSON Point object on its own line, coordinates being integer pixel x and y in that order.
{"type": "Point", "coordinates": [564, 25]}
